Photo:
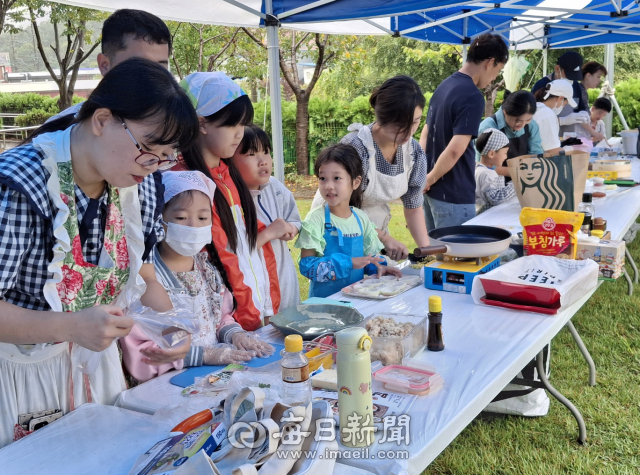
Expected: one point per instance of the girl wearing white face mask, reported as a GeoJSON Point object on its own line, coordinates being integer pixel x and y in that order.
{"type": "Point", "coordinates": [189, 267]}
{"type": "Point", "coordinates": [551, 101]}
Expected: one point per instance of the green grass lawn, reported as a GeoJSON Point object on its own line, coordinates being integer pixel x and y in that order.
{"type": "Point", "coordinates": [610, 328]}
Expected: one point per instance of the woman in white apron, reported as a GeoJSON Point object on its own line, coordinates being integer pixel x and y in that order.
{"type": "Point", "coordinates": [79, 211]}
{"type": "Point", "coordinates": [394, 164]}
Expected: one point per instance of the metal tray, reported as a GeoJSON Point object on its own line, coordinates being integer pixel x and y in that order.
{"type": "Point", "coordinates": [311, 321]}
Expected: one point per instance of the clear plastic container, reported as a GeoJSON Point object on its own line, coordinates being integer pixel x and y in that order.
{"type": "Point", "coordinates": [318, 354]}
{"type": "Point", "coordinates": [408, 380]}
{"type": "Point", "coordinates": [390, 350]}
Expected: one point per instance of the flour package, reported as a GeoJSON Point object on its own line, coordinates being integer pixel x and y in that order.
{"type": "Point", "coordinates": [550, 181]}
{"type": "Point", "coordinates": [571, 279]}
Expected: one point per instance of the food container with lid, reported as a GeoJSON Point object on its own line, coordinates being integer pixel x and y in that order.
{"type": "Point", "coordinates": [404, 379]}
{"type": "Point", "coordinates": [318, 354]}
{"type": "Point", "coordinates": [391, 350]}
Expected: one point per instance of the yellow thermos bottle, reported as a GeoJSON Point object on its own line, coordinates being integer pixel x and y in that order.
{"type": "Point", "coordinates": [355, 405]}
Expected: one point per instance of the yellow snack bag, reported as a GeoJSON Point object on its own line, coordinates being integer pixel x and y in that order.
{"type": "Point", "coordinates": [550, 232]}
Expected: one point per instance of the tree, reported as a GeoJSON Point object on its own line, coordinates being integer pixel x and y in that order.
{"type": "Point", "coordinates": [321, 50]}
{"type": "Point", "coordinates": [379, 58]}
{"type": "Point", "coordinates": [193, 44]}
{"type": "Point", "coordinates": [199, 47]}
{"type": "Point", "coordinates": [5, 6]}
{"type": "Point", "coordinates": [71, 35]}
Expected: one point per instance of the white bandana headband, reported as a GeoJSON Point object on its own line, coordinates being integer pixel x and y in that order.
{"type": "Point", "coordinates": [210, 92]}
{"type": "Point", "coordinates": [498, 140]}
{"type": "Point", "coordinates": [177, 182]}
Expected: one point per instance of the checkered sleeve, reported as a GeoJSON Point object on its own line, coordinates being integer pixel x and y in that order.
{"type": "Point", "coordinates": [151, 195]}
{"type": "Point", "coordinates": [413, 197]}
{"type": "Point", "coordinates": [353, 140]}
{"type": "Point", "coordinates": [16, 222]}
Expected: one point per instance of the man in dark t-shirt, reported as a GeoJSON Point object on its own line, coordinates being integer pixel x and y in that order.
{"type": "Point", "coordinates": [455, 111]}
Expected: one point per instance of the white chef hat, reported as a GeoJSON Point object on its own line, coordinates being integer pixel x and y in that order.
{"type": "Point", "coordinates": [177, 182]}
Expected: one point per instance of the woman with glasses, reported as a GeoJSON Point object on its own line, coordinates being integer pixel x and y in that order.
{"type": "Point", "coordinates": [80, 214]}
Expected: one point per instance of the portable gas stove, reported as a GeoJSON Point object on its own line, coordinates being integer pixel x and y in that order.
{"type": "Point", "coordinates": [455, 274]}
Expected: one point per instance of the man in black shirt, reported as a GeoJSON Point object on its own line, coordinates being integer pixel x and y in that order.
{"type": "Point", "coordinates": [455, 111]}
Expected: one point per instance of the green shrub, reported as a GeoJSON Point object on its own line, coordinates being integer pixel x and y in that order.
{"type": "Point", "coordinates": [23, 103]}
{"type": "Point", "coordinates": [34, 117]}
{"type": "Point", "coordinates": [628, 97]}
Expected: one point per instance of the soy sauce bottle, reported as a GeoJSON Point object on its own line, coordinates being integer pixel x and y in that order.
{"type": "Point", "coordinates": [434, 338]}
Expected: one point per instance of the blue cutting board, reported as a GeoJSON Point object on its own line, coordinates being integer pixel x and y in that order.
{"type": "Point", "coordinates": [186, 378]}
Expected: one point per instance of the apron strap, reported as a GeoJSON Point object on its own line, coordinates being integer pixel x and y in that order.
{"type": "Point", "coordinates": [330, 227]}
{"type": "Point", "coordinates": [85, 382]}
{"type": "Point", "coordinates": [358, 220]}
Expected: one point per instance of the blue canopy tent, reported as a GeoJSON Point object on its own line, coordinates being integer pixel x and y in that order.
{"type": "Point", "coordinates": [525, 24]}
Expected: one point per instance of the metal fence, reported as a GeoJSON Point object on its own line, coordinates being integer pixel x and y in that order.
{"type": "Point", "coordinates": [320, 136]}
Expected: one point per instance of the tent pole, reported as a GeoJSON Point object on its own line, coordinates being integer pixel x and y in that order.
{"type": "Point", "coordinates": [465, 47]}
{"type": "Point", "coordinates": [273, 55]}
{"type": "Point", "coordinates": [609, 54]}
{"type": "Point", "coordinates": [545, 60]}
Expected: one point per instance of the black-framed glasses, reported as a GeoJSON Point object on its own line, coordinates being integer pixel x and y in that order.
{"type": "Point", "coordinates": [152, 159]}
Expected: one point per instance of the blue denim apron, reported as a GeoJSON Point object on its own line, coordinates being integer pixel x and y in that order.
{"type": "Point", "coordinates": [338, 244]}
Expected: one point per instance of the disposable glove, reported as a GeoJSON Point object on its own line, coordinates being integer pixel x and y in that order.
{"type": "Point", "coordinates": [224, 354]}
{"type": "Point", "coordinates": [575, 118]}
{"type": "Point", "coordinates": [249, 342]}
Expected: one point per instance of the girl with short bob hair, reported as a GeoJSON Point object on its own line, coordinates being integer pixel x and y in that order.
{"type": "Point", "coordinates": [80, 220]}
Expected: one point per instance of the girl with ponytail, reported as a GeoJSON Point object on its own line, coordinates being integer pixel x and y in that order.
{"type": "Point", "coordinates": [223, 110]}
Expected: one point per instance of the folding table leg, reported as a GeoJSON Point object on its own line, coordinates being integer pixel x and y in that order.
{"type": "Point", "coordinates": [584, 351]}
{"type": "Point", "coordinates": [629, 282]}
{"type": "Point", "coordinates": [582, 437]}
{"type": "Point", "coordinates": [633, 265]}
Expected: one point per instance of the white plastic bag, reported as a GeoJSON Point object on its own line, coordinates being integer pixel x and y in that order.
{"type": "Point", "coordinates": [87, 361]}
{"type": "Point", "coordinates": [572, 279]}
{"type": "Point", "coordinates": [166, 329]}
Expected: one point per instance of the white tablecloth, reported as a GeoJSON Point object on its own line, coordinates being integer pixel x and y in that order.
{"type": "Point", "coordinates": [95, 439]}
{"type": "Point", "coordinates": [485, 349]}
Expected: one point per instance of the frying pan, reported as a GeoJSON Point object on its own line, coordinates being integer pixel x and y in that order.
{"type": "Point", "coordinates": [466, 241]}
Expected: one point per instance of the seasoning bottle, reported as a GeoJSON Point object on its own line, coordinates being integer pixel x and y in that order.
{"type": "Point", "coordinates": [434, 338]}
{"type": "Point", "coordinates": [586, 225]}
{"type": "Point", "coordinates": [355, 399]}
{"type": "Point", "coordinates": [587, 208]}
{"type": "Point", "coordinates": [295, 373]}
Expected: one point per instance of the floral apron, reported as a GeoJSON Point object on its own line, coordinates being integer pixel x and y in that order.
{"type": "Point", "coordinates": [77, 284]}
{"type": "Point", "coordinates": [83, 284]}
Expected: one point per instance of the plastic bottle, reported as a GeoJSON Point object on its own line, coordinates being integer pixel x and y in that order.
{"type": "Point", "coordinates": [295, 373]}
{"type": "Point", "coordinates": [435, 341]}
{"type": "Point", "coordinates": [587, 208]}
{"type": "Point", "coordinates": [355, 399]}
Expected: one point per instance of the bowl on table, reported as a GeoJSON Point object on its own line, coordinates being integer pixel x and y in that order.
{"type": "Point", "coordinates": [311, 321]}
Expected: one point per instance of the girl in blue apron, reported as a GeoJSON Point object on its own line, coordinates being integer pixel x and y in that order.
{"type": "Point", "coordinates": [338, 242]}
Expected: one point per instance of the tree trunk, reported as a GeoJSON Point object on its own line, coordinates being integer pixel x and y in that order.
{"type": "Point", "coordinates": [490, 95]}
{"type": "Point", "coordinates": [64, 99]}
{"type": "Point", "coordinates": [302, 134]}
